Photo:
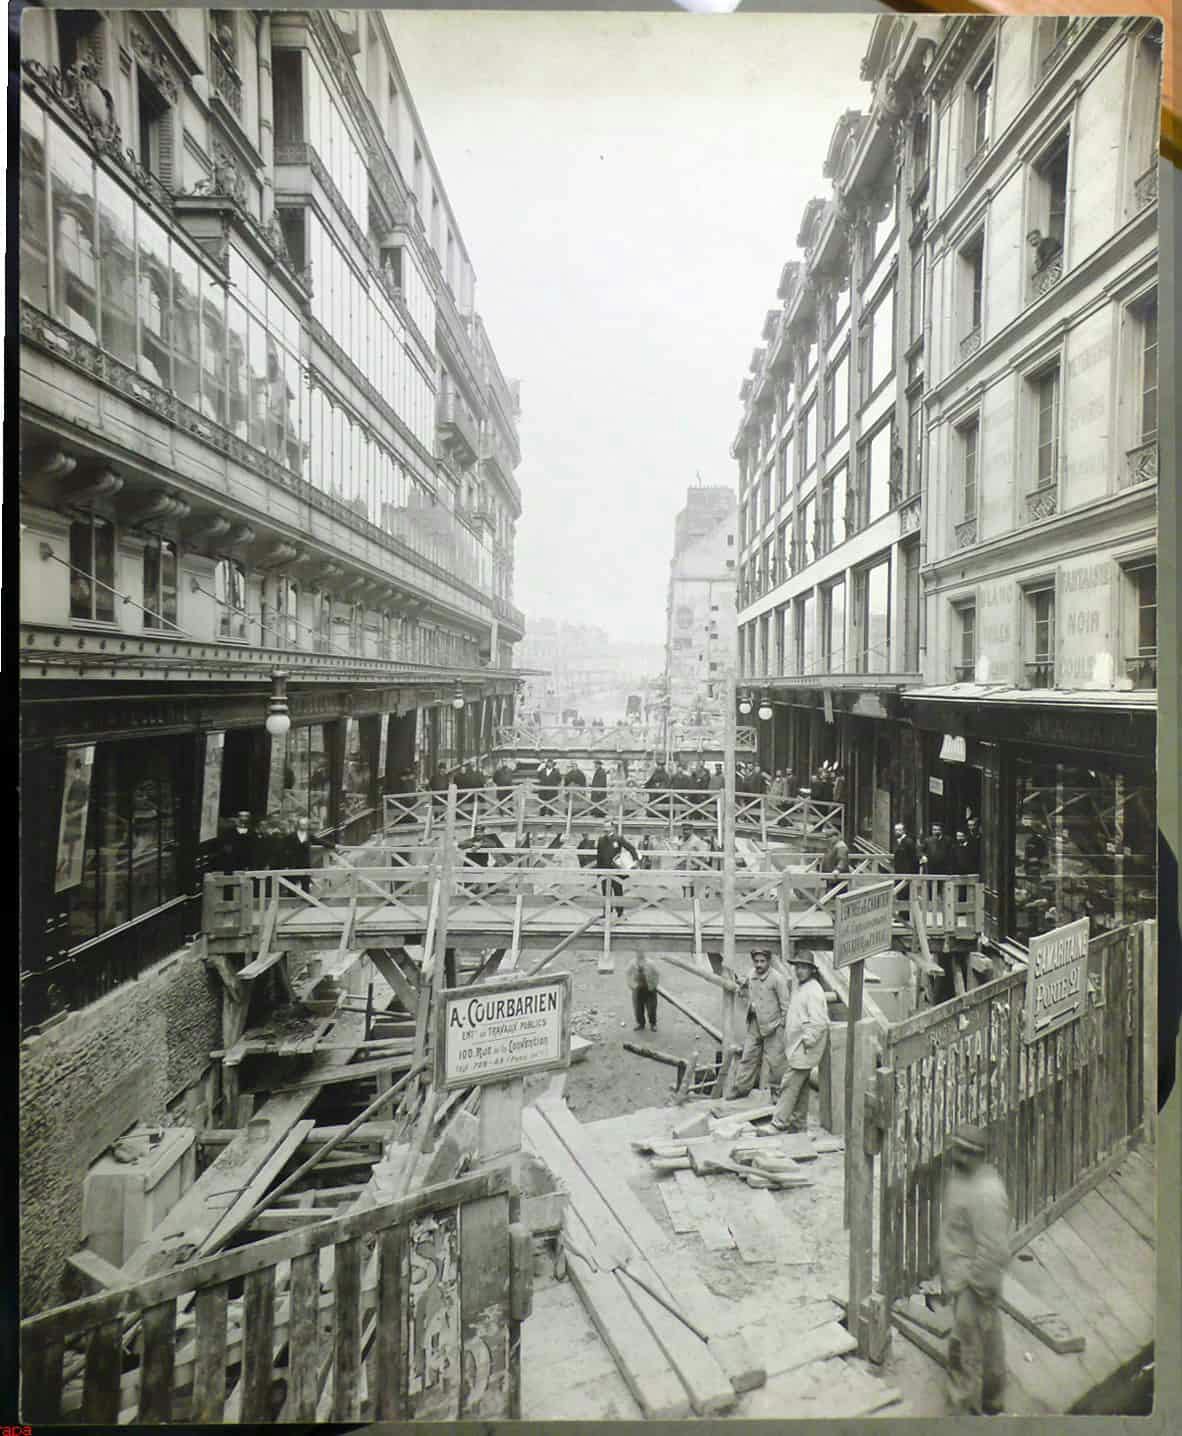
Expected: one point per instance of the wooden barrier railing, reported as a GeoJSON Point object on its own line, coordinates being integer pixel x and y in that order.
{"type": "Point", "coordinates": [1056, 1110]}
{"type": "Point", "coordinates": [249, 1336]}
{"type": "Point", "coordinates": [572, 806]}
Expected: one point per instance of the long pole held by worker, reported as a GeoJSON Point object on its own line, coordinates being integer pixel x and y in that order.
{"type": "Point", "coordinates": [728, 1023]}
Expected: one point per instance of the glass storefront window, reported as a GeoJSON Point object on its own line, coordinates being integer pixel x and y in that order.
{"type": "Point", "coordinates": [357, 776]}
{"type": "Point", "coordinates": [213, 349]}
{"type": "Point", "coordinates": [307, 782]}
{"type": "Point", "coordinates": [72, 227]}
{"type": "Point", "coordinates": [1083, 847]}
{"type": "Point", "coordinates": [130, 865]}
{"type": "Point", "coordinates": [117, 258]}
{"type": "Point", "coordinates": [92, 558]}
{"type": "Point", "coordinates": [186, 326]}
{"type": "Point", "coordinates": [34, 231]}
{"type": "Point", "coordinates": [155, 286]}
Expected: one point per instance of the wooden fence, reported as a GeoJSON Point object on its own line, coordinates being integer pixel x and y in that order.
{"type": "Point", "coordinates": [329, 1322]}
{"type": "Point", "coordinates": [1056, 1110]}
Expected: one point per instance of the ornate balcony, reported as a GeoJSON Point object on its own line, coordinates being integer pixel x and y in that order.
{"type": "Point", "coordinates": [224, 80]}
{"type": "Point", "coordinates": [1140, 466]}
{"type": "Point", "coordinates": [1046, 275]}
{"type": "Point", "coordinates": [1142, 669]}
{"type": "Point", "coordinates": [966, 533]}
{"type": "Point", "coordinates": [1043, 503]}
{"type": "Point", "coordinates": [971, 342]}
{"type": "Point", "coordinates": [1040, 673]}
{"type": "Point", "coordinates": [1145, 188]}
{"type": "Point", "coordinates": [458, 426]}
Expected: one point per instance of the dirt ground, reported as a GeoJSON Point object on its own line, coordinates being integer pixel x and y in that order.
{"type": "Point", "coordinates": [610, 1081]}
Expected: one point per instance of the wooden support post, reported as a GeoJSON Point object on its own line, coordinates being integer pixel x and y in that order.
{"type": "Point", "coordinates": [763, 822]}
{"type": "Point", "coordinates": [857, 978]}
{"type": "Point", "coordinates": [607, 962]}
{"type": "Point", "coordinates": [859, 1183]}
{"type": "Point", "coordinates": [519, 812]}
{"type": "Point", "coordinates": [729, 1016]}
{"type": "Point", "coordinates": [1147, 950]}
{"type": "Point", "coordinates": [785, 919]}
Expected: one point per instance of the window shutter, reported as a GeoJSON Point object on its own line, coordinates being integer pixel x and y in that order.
{"type": "Point", "coordinates": [166, 133]}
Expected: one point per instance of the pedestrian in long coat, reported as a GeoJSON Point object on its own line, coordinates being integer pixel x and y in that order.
{"type": "Point", "coordinates": [607, 858]}
{"type": "Point", "coordinates": [644, 980]}
{"type": "Point", "coordinates": [974, 1254]}
{"type": "Point", "coordinates": [806, 1035]}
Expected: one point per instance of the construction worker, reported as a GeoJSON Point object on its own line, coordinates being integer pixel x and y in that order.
{"type": "Point", "coordinates": [644, 980]}
{"type": "Point", "coordinates": [974, 1253]}
{"type": "Point", "coordinates": [767, 1007]}
{"type": "Point", "coordinates": [806, 1035]}
{"type": "Point", "coordinates": [692, 854]}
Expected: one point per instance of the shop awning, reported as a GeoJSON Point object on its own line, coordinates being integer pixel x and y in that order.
{"type": "Point", "coordinates": [1100, 721]}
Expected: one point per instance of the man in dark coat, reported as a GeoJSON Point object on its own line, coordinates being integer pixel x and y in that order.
{"type": "Point", "coordinates": [598, 789]}
{"type": "Point", "coordinates": [547, 785]}
{"type": "Point", "coordinates": [962, 854]}
{"type": "Point", "coordinates": [296, 850]}
{"type": "Point", "coordinates": [973, 839]}
{"type": "Point", "coordinates": [791, 785]}
{"type": "Point", "coordinates": [906, 855]}
{"type": "Point", "coordinates": [239, 850]}
{"type": "Point", "coordinates": [574, 777]}
{"type": "Point", "coordinates": [658, 783]}
{"type": "Point", "coordinates": [607, 852]}
{"type": "Point", "coordinates": [503, 779]}
{"type": "Point", "coordinates": [480, 850]}
{"type": "Point", "coordinates": [936, 855]}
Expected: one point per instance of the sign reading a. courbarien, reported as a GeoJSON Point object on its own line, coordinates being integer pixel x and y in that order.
{"type": "Point", "coordinates": [498, 1030]}
{"type": "Point", "coordinates": [1056, 978]}
{"type": "Point", "coordinates": [863, 924]}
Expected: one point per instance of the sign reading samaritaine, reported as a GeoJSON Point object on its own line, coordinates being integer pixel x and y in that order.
{"type": "Point", "coordinates": [498, 1030]}
{"type": "Point", "coordinates": [1056, 979]}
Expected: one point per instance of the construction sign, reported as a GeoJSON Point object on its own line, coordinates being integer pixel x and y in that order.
{"type": "Point", "coordinates": [498, 1030]}
{"type": "Point", "coordinates": [862, 924]}
{"type": "Point", "coordinates": [1056, 978]}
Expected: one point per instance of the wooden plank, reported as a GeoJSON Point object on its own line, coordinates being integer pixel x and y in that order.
{"type": "Point", "coordinates": [754, 1238]}
{"type": "Point", "coordinates": [303, 1354]}
{"type": "Point", "coordinates": [391, 1338]}
{"type": "Point", "coordinates": [258, 1342]}
{"type": "Point", "coordinates": [347, 1333]}
{"type": "Point", "coordinates": [391, 971]}
{"type": "Point", "coordinates": [209, 1375]}
{"type": "Point", "coordinates": [675, 1206]}
{"type": "Point", "coordinates": [158, 1334]}
{"type": "Point", "coordinates": [485, 1307]}
{"type": "Point", "coordinates": [355, 1072]}
{"type": "Point", "coordinates": [709, 1388]}
{"type": "Point", "coordinates": [821, 1343]}
{"type": "Point", "coordinates": [104, 1360]}
{"type": "Point", "coordinates": [638, 1357]}
{"type": "Point", "coordinates": [97, 1273]}
{"type": "Point", "coordinates": [1127, 1258]}
{"type": "Point", "coordinates": [707, 1220]}
{"type": "Point", "coordinates": [260, 1179]}
{"type": "Point", "coordinates": [1110, 1311]}
{"type": "Point", "coordinates": [1053, 1328]}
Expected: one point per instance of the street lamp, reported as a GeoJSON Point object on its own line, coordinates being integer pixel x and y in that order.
{"type": "Point", "coordinates": [278, 722]}
{"type": "Point", "coordinates": [745, 704]}
{"type": "Point", "coordinates": [765, 708]}
{"type": "Point", "coordinates": [457, 701]}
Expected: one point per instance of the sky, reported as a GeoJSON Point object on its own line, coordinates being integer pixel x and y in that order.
{"type": "Point", "coordinates": [628, 188]}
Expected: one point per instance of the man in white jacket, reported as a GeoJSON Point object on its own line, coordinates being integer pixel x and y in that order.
{"type": "Point", "coordinates": [806, 1035]}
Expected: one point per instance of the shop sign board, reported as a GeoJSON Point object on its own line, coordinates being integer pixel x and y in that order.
{"type": "Point", "coordinates": [1056, 979]}
{"type": "Point", "coordinates": [71, 833]}
{"type": "Point", "coordinates": [211, 786]}
{"type": "Point", "coordinates": [936, 785]}
{"type": "Point", "coordinates": [863, 924]}
{"type": "Point", "coordinates": [495, 1031]}
{"type": "Point", "coordinates": [953, 749]}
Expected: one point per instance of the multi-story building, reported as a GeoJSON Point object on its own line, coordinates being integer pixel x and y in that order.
{"type": "Point", "coordinates": [575, 661]}
{"type": "Point", "coordinates": [948, 577]}
{"type": "Point", "coordinates": [1040, 666]}
{"type": "Point", "coordinates": [700, 604]}
{"type": "Point", "coordinates": [266, 457]}
{"type": "Point", "coordinates": [829, 502]}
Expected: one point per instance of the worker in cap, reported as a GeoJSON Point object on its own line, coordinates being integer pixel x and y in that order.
{"type": "Point", "coordinates": [974, 1253]}
{"type": "Point", "coordinates": [767, 1007]}
{"type": "Point", "coordinates": [806, 1035]}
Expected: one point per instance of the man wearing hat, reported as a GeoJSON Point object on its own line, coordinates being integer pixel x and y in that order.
{"type": "Point", "coordinates": [974, 1253]}
{"type": "Point", "coordinates": [806, 1035]}
{"type": "Point", "coordinates": [767, 1007]}
{"type": "Point", "coordinates": [239, 849]}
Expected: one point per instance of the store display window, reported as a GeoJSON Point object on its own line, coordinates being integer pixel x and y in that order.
{"type": "Point", "coordinates": [1084, 842]}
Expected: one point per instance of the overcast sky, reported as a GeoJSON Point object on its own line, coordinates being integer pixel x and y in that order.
{"type": "Point", "coordinates": [628, 188]}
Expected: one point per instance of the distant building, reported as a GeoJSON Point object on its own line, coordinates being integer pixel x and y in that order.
{"type": "Point", "coordinates": [700, 609]}
{"type": "Point", "coordinates": [578, 660]}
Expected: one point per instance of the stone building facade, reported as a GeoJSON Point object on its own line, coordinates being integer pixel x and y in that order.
{"type": "Point", "coordinates": [979, 637]}
{"type": "Point", "coordinates": [700, 604]}
{"type": "Point", "coordinates": [266, 466]}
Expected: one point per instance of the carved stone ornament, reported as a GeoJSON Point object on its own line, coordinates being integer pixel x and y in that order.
{"type": "Point", "coordinates": [154, 61]}
{"type": "Point", "coordinates": [225, 178]}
